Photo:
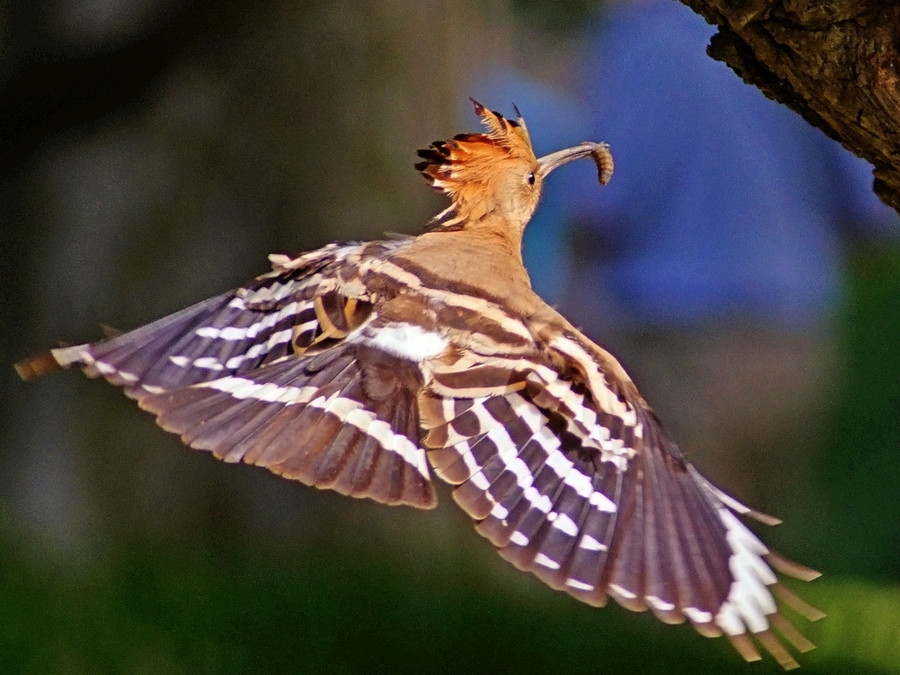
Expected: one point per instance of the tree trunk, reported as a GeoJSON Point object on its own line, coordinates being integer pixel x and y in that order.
{"type": "Point", "coordinates": [836, 62]}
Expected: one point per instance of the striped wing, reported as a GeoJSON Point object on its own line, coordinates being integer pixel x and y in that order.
{"type": "Point", "coordinates": [338, 367]}
{"type": "Point", "coordinates": [568, 473]}
{"type": "Point", "coordinates": [230, 334]}
{"type": "Point", "coordinates": [271, 374]}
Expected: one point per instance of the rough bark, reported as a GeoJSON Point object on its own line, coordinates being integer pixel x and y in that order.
{"type": "Point", "coordinates": [835, 62]}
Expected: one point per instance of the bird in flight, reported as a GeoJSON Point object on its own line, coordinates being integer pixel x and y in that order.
{"type": "Point", "coordinates": [366, 367]}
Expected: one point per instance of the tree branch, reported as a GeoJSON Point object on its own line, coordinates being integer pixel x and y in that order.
{"type": "Point", "coordinates": [835, 62]}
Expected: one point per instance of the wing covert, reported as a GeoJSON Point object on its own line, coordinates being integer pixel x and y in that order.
{"type": "Point", "coordinates": [233, 333]}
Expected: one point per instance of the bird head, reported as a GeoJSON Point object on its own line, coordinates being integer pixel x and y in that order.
{"type": "Point", "coordinates": [495, 175]}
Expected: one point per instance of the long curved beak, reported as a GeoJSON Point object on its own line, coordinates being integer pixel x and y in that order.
{"type": "Point", "coordinates": [598, 151]}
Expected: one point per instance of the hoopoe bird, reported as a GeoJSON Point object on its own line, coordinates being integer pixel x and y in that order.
{"type": "Point", "coordinates": [364, 367]}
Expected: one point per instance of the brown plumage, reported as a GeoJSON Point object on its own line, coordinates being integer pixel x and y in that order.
{"type": "Point", "coordinates": [363, 367]}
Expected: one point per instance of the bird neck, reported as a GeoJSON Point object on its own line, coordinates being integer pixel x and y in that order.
{"type": "Point", "coordinates": [484, 256]}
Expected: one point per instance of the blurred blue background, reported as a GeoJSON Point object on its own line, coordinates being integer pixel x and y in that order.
{"type": "Point", "coordinates": [154, 152]}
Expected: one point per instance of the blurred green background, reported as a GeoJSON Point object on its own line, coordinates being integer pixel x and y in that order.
{"type": "Point", "coordinates": [153, 154]}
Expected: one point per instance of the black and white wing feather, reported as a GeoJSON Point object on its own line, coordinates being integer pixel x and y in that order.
{"type": "Point", "coordinates": [271, 374]}
{"type": "Point", "coordinates": [567, 471]}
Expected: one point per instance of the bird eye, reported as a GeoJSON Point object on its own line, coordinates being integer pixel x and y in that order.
{"type": "Point", "coordinates": [530, 178]}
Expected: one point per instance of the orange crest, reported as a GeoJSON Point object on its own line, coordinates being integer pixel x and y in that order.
{"type": "Point", "coordinates": [465, 166]}
{"type": "Point", "coordinates": [495, 177]}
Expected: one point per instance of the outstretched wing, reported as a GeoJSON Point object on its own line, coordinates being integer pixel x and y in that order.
{"type": "Point", "coordinates": [279, 374]}
{"type": "Point", "coordinates": [569, 474]}
{"type": "Point", "coordinates": [331, 368]}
